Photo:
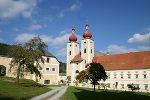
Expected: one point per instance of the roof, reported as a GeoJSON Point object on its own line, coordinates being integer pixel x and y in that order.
{"type": "Point", "coordinates": [77, 58]}
{"type": "Point", "coordinates": [133, 60]}
{"type": "Point", "coordinates": [48, 54]}
{"type": "Point", "coordinates": [97, 53]}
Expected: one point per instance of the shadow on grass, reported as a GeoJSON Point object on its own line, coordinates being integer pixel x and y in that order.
{"type": "Point", "coordinates": [108, 95]}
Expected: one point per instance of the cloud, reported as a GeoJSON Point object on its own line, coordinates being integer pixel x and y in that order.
{"type": "Point", "coordinates": [15, 29]}
{"type": "Point", "coordinates": [24, 37]}
{"type": "Point", "coordinates": [74, 7]}
{"type": "Point", "coordinates": [62, 52]}
{"type": "Point", "coordinates": [144, 48]}
{"type": "Point", "coordinates": [61, 14]}
{"type": "Point", "coordinates": [147, 29]}
{"type": "Point", "coordinates": [140, 39]}
{"type": "Point", "coordinates": [13, 8]}
{"type": "Point", "coordinates": [1, 40]}
{"type": "Point", "coordinates": [35, 27]}
{"type": "Point", "coordinates": [53, 41]}
{"type": "Point", "coordinates": [115, 49]}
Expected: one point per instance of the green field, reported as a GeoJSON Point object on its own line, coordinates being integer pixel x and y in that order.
{"type": "Point", "coordinates": [27, 89]}
{"type": "Point", "coordinates": [77, 93]}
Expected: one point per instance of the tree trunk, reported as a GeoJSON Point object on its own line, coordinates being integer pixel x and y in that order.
{"type": "Point", "coordinates": [18, 74]}
{"type": "Point", "coordinates": [94, 85]}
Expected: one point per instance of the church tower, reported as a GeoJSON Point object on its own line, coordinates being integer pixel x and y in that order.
{"type": "Point", "coordinates": [72, 51]}
{"type": "Point", "coordinates": [87, 47]}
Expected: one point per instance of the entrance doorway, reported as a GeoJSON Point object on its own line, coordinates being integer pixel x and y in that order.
{"type": "Point", "coordinates": [2, 70]}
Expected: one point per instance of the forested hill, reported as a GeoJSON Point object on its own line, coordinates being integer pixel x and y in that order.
{"type": "Point", "coordinates": [62, 67]}
{"type": "Point", "coordinates": [4, 49]}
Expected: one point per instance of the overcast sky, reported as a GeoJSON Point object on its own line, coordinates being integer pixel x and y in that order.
{"type": "Point", "coordinates": [118, 26]}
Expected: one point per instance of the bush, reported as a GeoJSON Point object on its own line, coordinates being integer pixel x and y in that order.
{"type": "Point", "coordinates": [133, 87]}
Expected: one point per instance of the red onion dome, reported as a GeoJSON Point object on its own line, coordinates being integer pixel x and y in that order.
{"type": "Point", "coordinates": [73, 36]}
{"type": "Point", "coordinates": [87, 34]}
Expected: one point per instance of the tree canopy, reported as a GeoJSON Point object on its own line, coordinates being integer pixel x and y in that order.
{"type": "Point", "coordinates": [26, 58]}
{"type": "Point", "coordinates": [95, 72]}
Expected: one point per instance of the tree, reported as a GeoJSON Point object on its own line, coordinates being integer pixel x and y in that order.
{"type": "Point", "coordinates": [26, 58]}
{"type": "Point", "coordinates": [68, 80]}
{"type": "Point", "coordinates": [104, 85]}
{"type": "Point", "coordinates": [133, 87]}
{"type": "Point", "coordinates": [82, 76]}
{"type": "Point", "coordinates": [96, 72]}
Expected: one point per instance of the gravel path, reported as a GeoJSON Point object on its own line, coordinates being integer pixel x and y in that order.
{"type": "Point", "coordinates": [47, 96]}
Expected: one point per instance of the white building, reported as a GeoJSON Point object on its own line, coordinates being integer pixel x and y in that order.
{"type": "Point", "coordinates": [122, 69]}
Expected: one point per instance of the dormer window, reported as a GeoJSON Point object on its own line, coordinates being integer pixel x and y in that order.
{"type": "Point", "coordinates": [47, 60]}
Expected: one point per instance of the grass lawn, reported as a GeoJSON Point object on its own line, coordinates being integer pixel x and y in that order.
{"type": "Point", "coordinates": [77, 93]}
{"type": "Point", "coordinates": [27, 89]}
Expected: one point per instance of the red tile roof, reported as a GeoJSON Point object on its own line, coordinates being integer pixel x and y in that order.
{"type": "Point", "coordinates": [77, 57]}
{"type": "Point", "coordinates": [133, 60]}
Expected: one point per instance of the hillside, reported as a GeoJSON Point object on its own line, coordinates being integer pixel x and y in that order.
{"type": "Point", "coordinates": [62, 67]}
{"type": "Point", "coordinates": [4, 49]}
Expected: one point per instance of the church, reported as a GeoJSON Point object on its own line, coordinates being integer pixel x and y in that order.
{"type": "Point", "coordinates": [122, 69]}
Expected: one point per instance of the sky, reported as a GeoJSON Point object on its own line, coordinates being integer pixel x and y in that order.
{"type": "Point", "coordinates": [117, 26]}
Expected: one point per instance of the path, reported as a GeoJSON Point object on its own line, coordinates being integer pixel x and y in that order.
{"type": "Point", "coordinates": [54, 94]}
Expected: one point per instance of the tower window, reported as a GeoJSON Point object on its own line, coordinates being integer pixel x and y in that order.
{"type": "Point", "coordinates": [91, 50]}
{"type": "Point", "coordinates": [47, 60]}
{"type": "Point", "coordinates": [84, 50]}
{"type": "Point", "coordinates": [70, 53]}
{"type": "Point", "coordinates": [84, 42]}
{"type": "Point", "coordinates": [77, 71]}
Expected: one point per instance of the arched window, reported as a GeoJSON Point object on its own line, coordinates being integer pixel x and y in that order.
{"type": "Point", "coordinates": [84, 50]}
{"type": "Point", "coordinates": [70, 53]}
{"type": "Point", "coordinates": [77, 71]}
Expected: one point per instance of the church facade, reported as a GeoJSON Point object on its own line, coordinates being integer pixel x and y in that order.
{"type": "Point", "coordinates": [122, 69]}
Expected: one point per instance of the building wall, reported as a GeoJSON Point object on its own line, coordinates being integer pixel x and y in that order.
{"type": "Point", "coordinates": [88, 45]}
{"type": "Point", "coordinates": [115, 76]}
{"type": "Point", "coordinates": [72, 47]}
{"type": "Point", "coordinates": [51, 75]}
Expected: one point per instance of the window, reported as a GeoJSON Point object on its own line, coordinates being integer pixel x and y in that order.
{"type": "Point", "coordinates": [145, 75]}
{"type": "Point", "coordinates": [84, 50]}
{"type": "Point", "coordinates": [70, 45]}
{"type": "Point", "coordinates": [77, 71]}
{"type": "Point", "coordinates": [85, 61]}
{"type": "Point", "coordinates": [115, 76]}
{"type": "Point", "coordinates": [47, 69]}
{"type": "Point", "coordinates": [129, 75]}
{"type": "Point", "coordinates": [40, 68]}
{"type": "Point", "coordinates": [47, 60]}
{"type": "Point", "coordinates": [146, 86]}
{"type": "Point", "coordinates": [91, 50]}
{"type": "Point", "coordinates": [122, 76]}
{"type": "Point", "coordinates": [84, 42]}
{"type": "Point", "coordinates": [136, 76]}
{"type": "Point", "coordinates": [122, 86]}
{"type": "Point", "coordinates": [46, 81]}
{"type": "Point", "coordinates": [70, 53]}
{"type": "Point", "coordinates": [53, 69]}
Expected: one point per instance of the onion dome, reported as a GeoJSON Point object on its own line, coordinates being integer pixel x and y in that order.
{"type": "Point", "coordinates": [73, 36]}
{"type": "Point", "coordinates": [87, 34]}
